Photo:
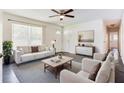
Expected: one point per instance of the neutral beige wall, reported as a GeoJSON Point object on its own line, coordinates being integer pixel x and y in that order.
{"type": "Point", "coordinates": [50, 34]}
{"type": "Point", "coordinates": [49, 30]}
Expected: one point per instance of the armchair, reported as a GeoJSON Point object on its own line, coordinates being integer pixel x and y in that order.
{"type": "Point", "coordinates": [70, 77]}
{"type": "Point", "coordinates": [105, 74]}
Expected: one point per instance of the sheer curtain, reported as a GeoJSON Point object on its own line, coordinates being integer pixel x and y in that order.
{"type": "Point", "coordinates": [36, 36]}
{"type": "Point", "coordinates": [25, 35]}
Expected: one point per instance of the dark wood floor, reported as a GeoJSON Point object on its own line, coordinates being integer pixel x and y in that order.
{"type": "Point", "coordinates": [10, 77]}
{"type": "Point", "coordinates": [119, 72]}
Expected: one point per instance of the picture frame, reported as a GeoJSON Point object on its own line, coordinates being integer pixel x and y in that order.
{"type": "Point", "coordinates": [86, 36]}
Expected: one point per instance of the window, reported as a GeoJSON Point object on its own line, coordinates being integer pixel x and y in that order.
{"type": "Point", "coordinates": [115, 37]}
{"type": "Point", "coordinates": [36, 36]}
{"type": "Point", "coordinates": [23, 35]}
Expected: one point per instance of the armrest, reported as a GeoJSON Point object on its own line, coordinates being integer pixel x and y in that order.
{"type": "Point", "coordinates": [112, 74]}
{"type": "Point", "coordinates": [88, 64]}
{"type": "Point", "coordinates": [70, 77]}
{"type": "Point", "coordinates": [17, 56]}
{"type": "Point", "coordinates": [99, 56]}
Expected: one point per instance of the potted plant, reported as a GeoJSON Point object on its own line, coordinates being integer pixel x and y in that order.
{"type": "Point", "coordinates": [1, 55]}
{"type": "Point", "coordinates": [7, 51]}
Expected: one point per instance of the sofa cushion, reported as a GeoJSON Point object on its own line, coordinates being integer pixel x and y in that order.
{"type": "Point", "coordinates": [34, 49]}
{"type": "Point", "coordinates": [94, 72]}
{"type": "Point", "coordinates": [106, 54]}
{"type": "Point", "coordinates": [88, 64]}
{"type": "Point", "coordinates": [24, 49]}
{"type": "Point", "coordinates": [27, 57]}
{"type": "Point", "coordinates": [39, 55]}
{"type": "Point", "coordinates": [83, 74]}
{"type": "Point", "coordinates": [104, 72]}
{"type": "Point", "coordinates": [41, 48]}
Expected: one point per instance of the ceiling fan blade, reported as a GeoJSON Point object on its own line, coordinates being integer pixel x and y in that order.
{"type": "Point", "coordinates": [69, 16]}
{"type": "Point", "coordinates": [54, 15]}
{"type": "Point", "coordinates": [68, 11]}
{"type": "Point", "coordinates": [55, 11]}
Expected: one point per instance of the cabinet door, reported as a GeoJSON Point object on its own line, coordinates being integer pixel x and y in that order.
{"type": "Point", "coordinates": [84, 50]}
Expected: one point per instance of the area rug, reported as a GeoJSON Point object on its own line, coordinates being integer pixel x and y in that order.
{"type": "Point", "coordinates": [33, 72]}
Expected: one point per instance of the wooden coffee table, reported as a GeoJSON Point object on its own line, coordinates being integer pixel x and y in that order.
{"type": "Point", "coordinates": [56, 65]}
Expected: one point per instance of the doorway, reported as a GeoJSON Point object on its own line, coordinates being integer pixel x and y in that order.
{"type": "Point", "coordinates": [113, 40]}
{"type": "Point", "coordinates": [113, 34]}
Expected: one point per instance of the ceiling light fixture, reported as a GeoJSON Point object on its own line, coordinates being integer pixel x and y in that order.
{"type": "Point", "coordinates": [62, 13]}
{"type": "Point", "coordinates": [62, 16]}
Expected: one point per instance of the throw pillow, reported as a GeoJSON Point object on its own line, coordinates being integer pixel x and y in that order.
{"type": "Point", "coordinates": [21, 50]}
{"type": "Point", "coordinates": [94, 72]}
{"type": "Point", "coordinates": [34, 49]}
{"type": "Point", "coordinates": [110, 57]}
{"type": "Point", "coordinates": [106, 55]}
{"type": "Point", "coordinates": [41, 48]}
{"type": "Point", "coordinates": [104, 73]}
{"type": "Point", "coordinates": [25, 49]}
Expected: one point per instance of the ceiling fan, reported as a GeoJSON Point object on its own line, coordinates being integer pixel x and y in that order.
{"type": "Point", "coordinates": [62, 13]}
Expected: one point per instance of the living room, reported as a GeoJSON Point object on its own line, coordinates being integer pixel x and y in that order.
{"type": "Point", "coordinates": [80, 38]}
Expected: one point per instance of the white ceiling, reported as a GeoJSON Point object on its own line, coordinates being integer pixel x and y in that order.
{"type": "Point", "coordinates": [81, 15]}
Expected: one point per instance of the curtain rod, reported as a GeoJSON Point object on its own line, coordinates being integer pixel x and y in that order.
{"type": "Point", "coordinates": [23, 22]}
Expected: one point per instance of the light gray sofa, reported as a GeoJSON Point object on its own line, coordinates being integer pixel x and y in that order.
{"type": "Point", "coordinates": [23, 54]}
{"type": "Point", "coordinates": [106, 73]}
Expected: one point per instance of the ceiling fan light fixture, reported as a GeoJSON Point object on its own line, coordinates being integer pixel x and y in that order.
{"type": "Point", "coordinates": [62, 13]}
{"type": "Point", "coordinates": [62, 16]}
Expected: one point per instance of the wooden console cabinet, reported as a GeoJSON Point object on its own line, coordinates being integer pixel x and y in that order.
{"type": "Point", "coordinates": [85, 50]}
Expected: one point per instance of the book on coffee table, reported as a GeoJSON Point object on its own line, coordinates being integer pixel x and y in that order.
{"type": "Point", "coordinates": [56, 60]}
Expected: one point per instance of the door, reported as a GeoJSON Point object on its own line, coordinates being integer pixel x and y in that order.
{"type": "Point", "coordinates": [113, 40]}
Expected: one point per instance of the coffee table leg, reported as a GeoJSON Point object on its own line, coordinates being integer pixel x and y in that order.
{"type": "Point", "coordinates": [56, 72]}
{"type": "Point", "coordinates": [71, 64]}
{"type": "Point", "coordinates": [44, 67]}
